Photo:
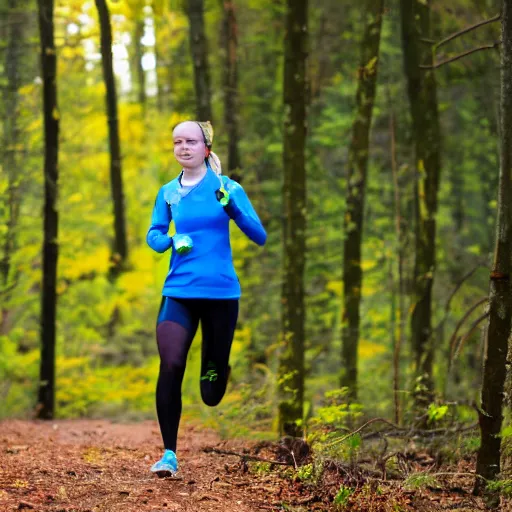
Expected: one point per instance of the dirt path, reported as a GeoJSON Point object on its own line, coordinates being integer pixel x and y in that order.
{"type": "Point", "coordinates": [102, 466]}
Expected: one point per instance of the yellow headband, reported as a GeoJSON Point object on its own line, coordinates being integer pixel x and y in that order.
{"type": "Point", "coordinates": [207, 129]}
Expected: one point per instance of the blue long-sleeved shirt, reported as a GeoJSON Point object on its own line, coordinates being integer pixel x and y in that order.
{"type": "Point", "coordinates": [207, 271]}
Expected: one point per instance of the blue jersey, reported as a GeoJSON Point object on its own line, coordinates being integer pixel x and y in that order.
{"type": "Point", "coordinates": [207, 271]}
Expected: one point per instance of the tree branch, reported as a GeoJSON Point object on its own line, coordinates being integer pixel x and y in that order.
{"type": "Point", "coordinates": [350, 434]}
{"type": "Point", "coordinates": [464, 54]}
{"type": "Point", "coordinates": [411, 432]}
{"type": "Point", "coordinates": [245, 456]}
{"type": "Point", "coordinates": [474, 325]}
{"type": "Point", "coordinates": [466, 30]}
{"type": "Point", "coordinates": [453, 339]}
{"type": "Point", "coordinates": [453, 293]}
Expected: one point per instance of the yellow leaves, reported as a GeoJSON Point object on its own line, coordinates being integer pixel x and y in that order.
{"type": "Point", "coordinates": [370, 67]}
{"type": "Point", "coordinates": [64, 364]}
{"type": "Point", "coordinates": [336, 287]}
{"type": "Point", "coordinates": [73, 266]}
{"type": "Point", "coordinates": [56, 114]}
{"type": "Point", "coordinates": [241, 341]}
{"type": "Point", "coordinates": [368, 265]}
{"type": "Point", "coordinates": [134, 283]}
{"type": "Point", "coordinates": [174, 119]}
{"type": "Point", "coordinates": [131, 125]}
{"type": "Point", "coordinates": [109, 388]}
{"type": "Point", "coordinates": [35, 124]}
{"type": "Point", "coordinates": [27, 90]}
{"type": "Point", "coordinates": [92, 455]}
{"type": "Point", "coordinates": [368, 349]}
{"type": "Point", "coordinates": [92, 128]}
{"type": "Point", "coordinates": [76, 197]}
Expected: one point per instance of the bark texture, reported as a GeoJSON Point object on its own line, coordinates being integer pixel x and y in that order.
{"type": "Point", "coordinates": [120, 247]}
{"type": "Point", "coordinates": [230, 42]}
{"type": "Point", "coordinates": [291, 369]}
{"type": "Point", "coordinates": [16, 30]}
{"type": "Point", "coordinates": [199, 51]}
{"type": "Point", "coordinates": [356, 184]}
{"type": "Point", "coordinates": [500, 298]}
{"type": "Point", "coordinates": [46, 394]}
{"type": "Point", "coordinates": [416, 28]}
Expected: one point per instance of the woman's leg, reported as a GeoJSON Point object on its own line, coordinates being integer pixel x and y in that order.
{"type": "Point", "coordinates": [218, 322]}
{"type": "Point", "coordinates": [176, 328]}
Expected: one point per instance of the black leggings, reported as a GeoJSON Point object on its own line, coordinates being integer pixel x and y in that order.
{"type": "Point", "coordinates": [176, 327]}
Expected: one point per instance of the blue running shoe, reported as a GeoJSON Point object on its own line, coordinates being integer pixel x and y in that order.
{"type": "Point", "coordinates": [167, 465]}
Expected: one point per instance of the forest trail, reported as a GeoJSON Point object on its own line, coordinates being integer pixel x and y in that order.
{"type": "Point", "coordinates": [103, 466]}
{"type": "Point", "coordinates": [88, 465]}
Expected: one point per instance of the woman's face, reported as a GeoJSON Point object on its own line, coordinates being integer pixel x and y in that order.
{"type": "Point", "coordinates": [189, 147]}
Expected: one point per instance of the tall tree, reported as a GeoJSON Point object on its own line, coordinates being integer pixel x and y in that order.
{"type": "Point", "coordinates": [229, 43]}
{"type": "Point", "coordinates": [46, 394]}
{"type": "Point", "coordinates": [139, 53]}
{"type": "Point", "coordinates": [16, 28]}
{"type": "Point", "coordinates": [356, 183]}
{"type": "Point", "coordinates": [490, 414]}
{"type": "Point", "coordinates": [421, 83]}
{"type": "Point", "coordinates": [199, 51]}
{"type": "Point", "coordinates": [120, 247]}
{"type": "Point", "coordinates": [291, 368]}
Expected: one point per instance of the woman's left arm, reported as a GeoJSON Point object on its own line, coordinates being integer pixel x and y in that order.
{"type": "Point", "coordinates": [240, 209]}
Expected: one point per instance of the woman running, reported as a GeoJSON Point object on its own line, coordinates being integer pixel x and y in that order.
{"type": "Point", "coordinates": [201, 285]}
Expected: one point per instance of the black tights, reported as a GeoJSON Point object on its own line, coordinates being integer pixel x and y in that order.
{"type": "Point", "coordinates": [177, 324]}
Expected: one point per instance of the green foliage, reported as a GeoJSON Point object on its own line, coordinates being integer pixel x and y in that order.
{"type": "Point", "coordinates": [305, 473]}
{"type": "Point", "coordinates": [18, 377]}
{"type": "Point", "coordinates": [421, 481]}
{"type": "Point", "coordinates": [506, 441]}
{"type": "Point", "coordinates": [260, 468]}
{"type": "Point", "coordinates": [107, 356]}
{"type": "Point", "coordinates": [335, 414]}
{"type": "Point", "coordinates": [436, 412]}
{"type": "Point", "coordinates": [504, 487]}
{"type": "Point", "coordinates": [327, 428]}
{"type": "Point", "coordinates": [245, 411]}
{"type": "Point", "coordinates": [342, 496]}
{"type": "Point", "coordinates": [470, 445]}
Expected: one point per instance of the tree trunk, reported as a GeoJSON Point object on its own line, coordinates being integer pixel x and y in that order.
{"type": "Point", "coordinates": [141, 75]}
{"type": "Point", "coordinates": [229, 40]}
{"type": "Point", "coordinates": [199, 51]}
{"type": "Point", "coordinates": [16, 22]}
{"type": "Point", "coordinates": [46, 394]}
{"type": "Point", "coordinates": [160, 104]}
{"type": "Point", "coordinates": [356, 181]}
{"type": "Point", "coordinates": [120, 249]}
{"type": "Point", "coordinates": [490, 414]}
{"type": "Point", "coordinates": [291, 368]}
{"type": "Point", "coordinates": [400, 317]}
{"type": "Point", "coordinates": [426, 131]}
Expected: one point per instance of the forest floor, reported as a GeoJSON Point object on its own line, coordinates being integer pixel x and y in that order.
{"type": "Point", "coordinates": [99, 465]}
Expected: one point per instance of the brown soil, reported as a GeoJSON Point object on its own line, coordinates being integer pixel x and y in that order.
{"type": "Point", "coordinates": [101, 466]}
{"type": "Point", "coordinates": [86, 465]}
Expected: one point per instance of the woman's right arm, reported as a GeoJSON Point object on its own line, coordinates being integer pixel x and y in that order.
{"type": "Point", "coordinates": [157, 237]}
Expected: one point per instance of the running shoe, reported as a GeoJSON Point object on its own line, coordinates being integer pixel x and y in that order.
{"type": "Point", "coordinates": [167, 465]}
